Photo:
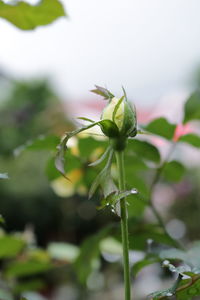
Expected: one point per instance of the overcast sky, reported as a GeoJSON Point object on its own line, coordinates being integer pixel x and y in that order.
{"type": "Point", "coordinates": [149, 46]}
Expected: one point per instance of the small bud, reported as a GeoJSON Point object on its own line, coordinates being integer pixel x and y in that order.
{"type": "Point", "coordinates": [123, 115]}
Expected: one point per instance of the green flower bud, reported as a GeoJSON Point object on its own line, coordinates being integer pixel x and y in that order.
{"type": "Point", "coordinates": [123, 115]}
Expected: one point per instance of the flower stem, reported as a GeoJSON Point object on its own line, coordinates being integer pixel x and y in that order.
{"type": "Point", "coordinates": [124, 224]}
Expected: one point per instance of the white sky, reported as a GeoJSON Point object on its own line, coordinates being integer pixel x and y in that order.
{"type": "Point", "coordinates": [149, 46]}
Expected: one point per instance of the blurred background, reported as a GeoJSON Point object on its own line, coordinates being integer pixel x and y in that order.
{"type": "Point", "coordinates": [152, 49]}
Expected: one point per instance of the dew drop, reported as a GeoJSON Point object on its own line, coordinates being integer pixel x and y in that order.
{"type": "Point", "coordinates": [169, 294]}
{"type": "Point", "coordinates": [166, 262]}
{"type": "Point", "coordinates": [134, 191]}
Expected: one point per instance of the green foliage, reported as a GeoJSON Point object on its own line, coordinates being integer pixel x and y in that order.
{"type": "Point", "coordinates": [192, 107]}
{"type": "Point", "coordinates": [102, 92]}
{"type": "Point", "coordinates": [27, 268]}
{"type": "Point", "coordinates": [10, 246]}
{"type": "Point", "coordinates": [144, 150]}
{"type": "Point", "coordinates": [173, 171]}
{"type": "Point", "coordinates": [191, 139]}
{"type": "Point", "coordinates": [87, 260]}
{"type": "Point", "coordinates": [28, 17]}
{"type": "Point", "coordinates": [162, 128]}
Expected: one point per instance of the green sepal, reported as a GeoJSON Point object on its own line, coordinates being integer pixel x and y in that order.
{"type": "Point", "coordinates": [103, 92]}
{"type": "Point", "coordinates": [101, 159]}
{"type": "Point", "coordinates": [107, 126]}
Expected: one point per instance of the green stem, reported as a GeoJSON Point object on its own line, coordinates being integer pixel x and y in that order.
{"type": "Point", "coordinates": [124, 224]}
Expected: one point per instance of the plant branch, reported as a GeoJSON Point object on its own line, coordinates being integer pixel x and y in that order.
{"type": "Point", "coordinates": [124, 224]}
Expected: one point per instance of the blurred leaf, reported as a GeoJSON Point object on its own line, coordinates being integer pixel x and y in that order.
{"type": "Point", "coordinates": [63, 251]}
{"type": "Point", "coordinates": [135, 206]}
{"type": "Point", "coordinates": [173, 171]}
{"type": "Point", "coordinates": [103, 92]}
{"type": "Point", "coordinates": [192, 107]}
{"type": "Point", "coordinates": [48, 142]}
{"type": "Point", "coordinates": [27, 17]}
{"type": "Point", "coordinates": [140, 233]}
{"type": "Point", "coordinates": [5, 295]}
{"type": "Point", "coordinates": [29, 285]}
{"type": "Point", "coordinates": [27, 268]}
{"type": "Point", "coordinates": [148, 260]}
{"type": "Point", "coordinates": [190, 257]}
{"type": "Point", "coordinates": [162, 128]}
{"type": "Point", "coordinates": [51, 171]}
{"type": "Point", "coordinates": [88, 145]}
{"type": "Point", "coordinates": [111, 245]}
{"type": "Point", "coordinates": [89, 254]}
{"type": "Point", "coordinates": [191, 139]}
{"type": "Point", "coordinates": [4, 176]}
{"type": "Point", "coordinates": [2, 220]}
{"type": "Point", "coordinates": [10, 246]}
{"type": "Point", "coordinates": [144, 150]}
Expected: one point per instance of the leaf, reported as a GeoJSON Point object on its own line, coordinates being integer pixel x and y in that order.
{"type": "Point", "coordinates": [192, 107]}
{"type": "Point", "coordinates": [27, 268]}
{"type": "Point", "coordinates": [4, 176]}
{"type": "Point", "coordinates": [140, 233]}
{"type": "Point", "coordinates": [102, 92]}
{"type": "Point", "coordinates": [111, 245]}
{"type": "Point", "coordinates": [63, 251]}
{"type": "Point", "coordinates": [115, 197]}
{"type": "Point", "coordinates": [190, 257]}
{"type": "Point", "coordinates": [10, 246]}
{"type": "Point", "coordinates": [162, 128]}
{"type": "Point", "coordinates": [28, 285]}
{"type": "Point", "coordinates": [191, 139]}
{"type": "Point", "coordinates": [2, 220]}
{"type": "Point", "coordinates": [144, 150]}
{"type": "Point", "coordinates": [28, 17]}
{"type": "Point", "coordinates": [41, 143]}
{"type": "Point", "coordinates": [148, 260]}
{"type": "Point", "coordinates": [173, 171]}
{"type": "Point", "coordinates": [89, 254]}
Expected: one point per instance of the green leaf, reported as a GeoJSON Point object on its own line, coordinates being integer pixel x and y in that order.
{"type": "Point", "coordinates": [162, 128]}
{"type": "Point", "coordinates": [173, 171]}
{"type": "Point", "coordinates": [148, 260]}
{"type": "Point", "coordinates": [191, 139]}
{"type": "Point", "coordinates": [28, 17]}
{"type": "Point", "coordinates": [144, 150]}
{"type": "Point", "coordinates": [140, 233]}
{"type": "Point", "coordinates": [28, 285]}
{"type": "Point", "coordinates": [190, 257]}
{"type": "Point", "coordinates": [48, 142]}
{"type": "Point", "coordinates": [192, 107]}
{"type": "Point", "coordinates": [2, 220]}
{"type": "Point", "coordinates": [10, 246]}
{"type": "Point", "coordinates": [4, 176]}
{"type": "Point", "coordinates": [27, 268]}
{"type": "Point", "coordinates": [102, 92]}
{"type": "Point", "coordinates": [89, 254]}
